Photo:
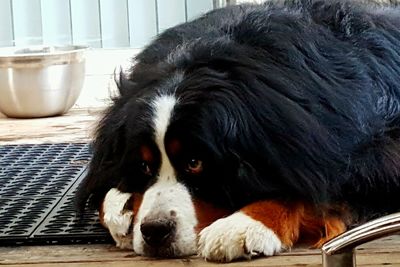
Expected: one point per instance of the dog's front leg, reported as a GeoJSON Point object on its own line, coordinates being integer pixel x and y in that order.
{"type": "Point", "coordinates": [117, 213]}
{"type": "Point", "coordinates": [263, 228]}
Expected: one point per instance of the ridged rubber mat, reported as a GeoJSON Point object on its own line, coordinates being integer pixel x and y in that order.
{"type": "Point", "coordinates": [37, 186]}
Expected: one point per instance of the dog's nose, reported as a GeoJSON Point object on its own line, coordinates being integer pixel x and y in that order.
{"type": "Point", "coordinates": [157, 232]}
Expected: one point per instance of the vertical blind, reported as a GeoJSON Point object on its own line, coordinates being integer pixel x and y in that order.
{"type": "Point", "coordinates": [97, 23]}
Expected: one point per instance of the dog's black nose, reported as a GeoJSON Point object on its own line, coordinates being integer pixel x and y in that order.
{"type": "Point", "coordinates": [157, 232]}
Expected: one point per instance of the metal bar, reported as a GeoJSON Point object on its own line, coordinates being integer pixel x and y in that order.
{"type": "Point", "coordinates": [12, 22]}
{"type": "Point", "coordinates": [127, 17]}
{"type": "Point", "coordinates": [220, 3]}
{"type": "Point", "coordinates": [186, 11]}
{"type": "Point", "coordinates": [70, 21]}
{"type": "Point", "coordinates": [340, 250]}
{"type": "Point", "coordinates": [100, 25]}
{"type": "Point", "coordinates": [157, 17]}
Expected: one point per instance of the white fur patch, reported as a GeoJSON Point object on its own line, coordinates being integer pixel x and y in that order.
{"type": "Point", "coordinates": [237, 236]}
{"type": "Point", "coordinates": [116, 219]}
{"type": "Point", "coordinates": [162, 110]}
{"type": "Point", "coordinates": [171, 201]}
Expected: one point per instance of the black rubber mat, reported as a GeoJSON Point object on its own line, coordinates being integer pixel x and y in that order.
{"type": "Point", "coordinates": [37, 186]}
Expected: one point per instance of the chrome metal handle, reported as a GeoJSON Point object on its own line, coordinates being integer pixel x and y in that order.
{"type": "Point", "coordinates": [339, 252]}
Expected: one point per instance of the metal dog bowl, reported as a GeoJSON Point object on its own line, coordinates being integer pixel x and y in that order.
{"type": "Point", "coordinates": [40, 81]}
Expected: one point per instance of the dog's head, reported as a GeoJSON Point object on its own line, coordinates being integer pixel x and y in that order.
{"type": "Point", "coordinates": [181, 144]}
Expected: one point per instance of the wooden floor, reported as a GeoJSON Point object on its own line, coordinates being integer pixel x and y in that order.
{"type": "Point", "coordinates": [77, 126]}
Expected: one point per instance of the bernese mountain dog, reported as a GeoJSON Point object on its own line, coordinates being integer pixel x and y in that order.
{"type": "Point", "coordinates": [251, 129]}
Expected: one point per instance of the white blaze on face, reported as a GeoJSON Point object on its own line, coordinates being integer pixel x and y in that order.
{"type": "Point", "coordinates": [163, 107]}
{"type": "Point", "coordinates": [167, 199]}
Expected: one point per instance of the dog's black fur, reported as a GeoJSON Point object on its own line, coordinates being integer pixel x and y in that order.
{"type": "Point", "coordinates": [290, 100]}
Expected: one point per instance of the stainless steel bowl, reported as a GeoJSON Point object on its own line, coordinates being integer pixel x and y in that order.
{"type": "Point", "coordinates": [40, 81]}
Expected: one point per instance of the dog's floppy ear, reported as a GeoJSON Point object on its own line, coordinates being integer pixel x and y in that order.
{"type": "Point", "coordinates": [124, 84]}
{"type": "Point", "coordinates": [140, 77]}
{"type": "Point", "coordinates": [102, 174]}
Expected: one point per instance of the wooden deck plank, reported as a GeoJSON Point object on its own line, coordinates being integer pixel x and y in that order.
{"type": "Point", "coordinates": [382, 252]}
{"type": "Point", "coordinates": [77, 126]}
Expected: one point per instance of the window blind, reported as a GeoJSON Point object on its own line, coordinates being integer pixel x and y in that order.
{"type": "Point", "coordinates": [97, 23]}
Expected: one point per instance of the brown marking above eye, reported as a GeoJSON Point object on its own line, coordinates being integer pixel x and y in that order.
{"type": "Point", "coordinates": [194, 166]}
{"type": "Point", "coordinates": [146, 154]}
{"type": "Point", "coordinates": [174, 146]}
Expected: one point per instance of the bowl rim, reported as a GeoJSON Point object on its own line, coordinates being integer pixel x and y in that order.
{"type": "Point", "coordinates": [10, 52]}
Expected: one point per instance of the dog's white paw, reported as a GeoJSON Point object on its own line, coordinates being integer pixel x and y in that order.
{"type": "Point", "coordinates": [117, 219]}
{"type": "Point", "coordinates": [237, 236]}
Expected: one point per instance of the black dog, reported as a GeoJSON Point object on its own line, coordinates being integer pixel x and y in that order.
{"type": "Point", "coordinates": [282, 119]}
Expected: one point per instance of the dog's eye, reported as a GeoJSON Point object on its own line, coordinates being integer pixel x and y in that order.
{"type": "Point", "coordinates": [144, 166]}
{"type": "Point", "coordinates": [194, 166]}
